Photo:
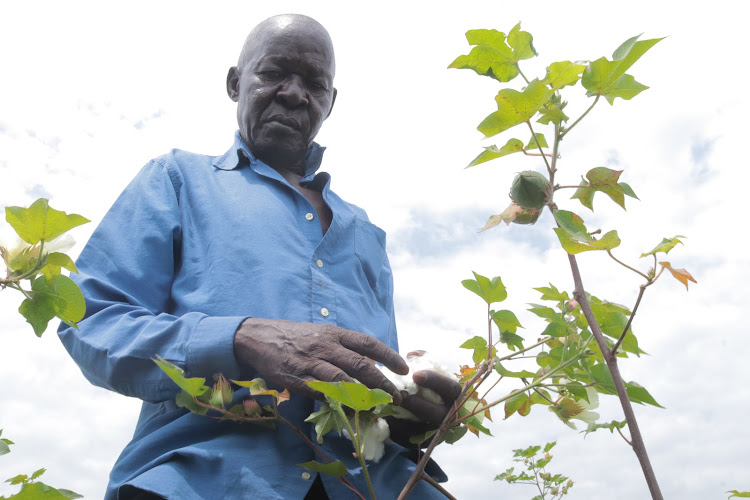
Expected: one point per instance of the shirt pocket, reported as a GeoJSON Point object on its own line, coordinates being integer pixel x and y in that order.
{"type": "Point", "coordinates": [369, 247]}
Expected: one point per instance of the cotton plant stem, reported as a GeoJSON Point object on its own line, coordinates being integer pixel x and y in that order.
{"type": "Point", "coordinates": [637, 440]}
{"type": "Point", "coordinates": [564, 133]}
{"type": "Point", "coordinates": [609, 252]}
{"type": "Point", "coordinates": [307, 440]}
{"type": "Point", "coordinates": [539, 146]}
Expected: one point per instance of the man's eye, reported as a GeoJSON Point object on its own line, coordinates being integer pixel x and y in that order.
{"type": "Point", "coordinates": [272, 74]}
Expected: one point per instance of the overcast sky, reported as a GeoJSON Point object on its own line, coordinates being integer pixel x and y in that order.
{"type": "Point", "coordinates": [89, 92]}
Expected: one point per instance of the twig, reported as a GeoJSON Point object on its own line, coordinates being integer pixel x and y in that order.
{"type": "Point", "coordinates": [609, 252]}
{"type": "Point", "coordinates": [630, 320]}
{"type": "Point", "coordinates": [437, 486]}
{"type": "Point", "coordinates": [544, 157]}
{"type": "Point", "coordinates": [564, 133]}
{"type": "Point", "coordinates": [623, 436]}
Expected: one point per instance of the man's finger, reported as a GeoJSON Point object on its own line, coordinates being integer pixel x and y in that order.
{"type": "Point", "coordinates": [427, 411]}
{"type": "Point", "coordinates": [447, 387]}
{"type": "Point", "coordinates": [374, 349]}
{"type": "Point", "coordinates": [364, 370]}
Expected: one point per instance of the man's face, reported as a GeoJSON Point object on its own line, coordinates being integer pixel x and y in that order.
{"type": "Point", "coordinates": [284, 90]}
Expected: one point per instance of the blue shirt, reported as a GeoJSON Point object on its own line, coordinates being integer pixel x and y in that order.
{"type": "Point", "coordinates": [193, 246]}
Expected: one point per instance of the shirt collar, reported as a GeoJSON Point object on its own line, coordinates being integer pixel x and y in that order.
{"type": "Point", "coordinates": [239, 154]}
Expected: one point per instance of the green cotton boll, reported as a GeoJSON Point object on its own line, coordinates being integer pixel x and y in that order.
{"type": "Point", "coordinates": [531, 190]}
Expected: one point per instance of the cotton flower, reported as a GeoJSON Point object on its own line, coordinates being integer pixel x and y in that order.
{"type": "Point", "coordinates": [568, 409]}
{"type": "Point", "coordinates": [11, 246]}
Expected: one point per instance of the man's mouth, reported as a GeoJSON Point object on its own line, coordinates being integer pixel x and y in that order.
{"type": "Point", "coordinates": [285, 120]}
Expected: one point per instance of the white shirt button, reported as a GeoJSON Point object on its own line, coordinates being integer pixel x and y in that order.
{"type": "Point", "coordinates": [319, 263]}
{"type": "Point", "coordinates": [309, 216]}
{"type": "Point", "coordinates": [306, 476]}
{"type": "Point", "coordinates": [324, 312]}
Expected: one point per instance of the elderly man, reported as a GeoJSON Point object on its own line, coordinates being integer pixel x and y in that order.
{"type": "Point", "coordinates": [249, 265]}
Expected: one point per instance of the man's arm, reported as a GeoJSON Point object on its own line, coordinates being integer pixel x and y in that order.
{"type": "Point", "coordinates": [126, 275]}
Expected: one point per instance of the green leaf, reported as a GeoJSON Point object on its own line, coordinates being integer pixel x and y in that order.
{"type": "Point", "coordinates": [665, 246]}
{"type": "Point", "coordinates": [423, 437]}
{"type": "Point", "coordinates": [38, 311]}
{"type": "Point", "coordinates": [493, 56]}
{"type": "Point", "coordinates": [479, 345]}
{"type": "Point", "coordinates": [608, 78]}
{"type": "Point", "coordinates": [454, 434]}
{"type": "Point", "coordinates": [514, 108]}
{"type": "Point", "coordinates": [54, 263]}
{"type": "Point", "coordinates": [501, 370]}
{"type": "Point", "coordinates": [552, 293]}
{"type": "Point", "coordinates": [37, 473]}
{"type": "Point", "coordinates": [66, 297]}
{"type": "Point", "coordinates": [195, 386]}
{"type": "Point", "coordinates": [186, 400]}
{"type": "Point", "coordinates": [490, 290]}
{"type": "Point", "coordinates": [4, 448]}
{"type": "Point", "coordinates": [506, 321]}
{"type": "Point", "coordinates": [41, 222]}
{"type": "Point", "coordinates": [492, 152]}
{"type": "Point", "coordinates": [335, 469]}
{"type": "Point", "coordinates": [563, 73]}
{"type": "Point", "coordinates": [511, 340]}
{"type": "Point", "coordinates": [638, 394]}
{"type": "Point", "coordinates": [21, 478]}
{"type": "Point", "coordinates": [326, 419]}
{"type": "Point", "coordinates": [538, 140]}
{"type": "Point", "coordinates": [40, 491]}
{"type": "Point", "coordinates": [574, 237]}
{"type": "Point", "coordinates": [605, 180]}
{"type": "Point", "coordinates": [516, 403]}
{"type": "Point", "coordinates": [738, 494]}
{"type": "Point", "coordinates": [354, 395]}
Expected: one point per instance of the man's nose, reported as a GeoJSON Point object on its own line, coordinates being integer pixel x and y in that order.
{"type": "Point", "coordinates": [293, 91]}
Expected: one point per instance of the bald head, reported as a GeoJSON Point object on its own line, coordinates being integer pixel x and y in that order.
{"type": "Point", "coordinates": [289, 24]}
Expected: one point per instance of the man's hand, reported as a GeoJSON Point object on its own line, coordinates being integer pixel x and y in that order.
{"type": "Point", "coordinates": [431, 414]}
{"type": "Point", "coordinates": [291, 354]}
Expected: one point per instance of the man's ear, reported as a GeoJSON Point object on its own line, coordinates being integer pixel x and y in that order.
{"type": "Point", "coordinates": [332, 102]}
{"type": "Point", "coordinates": [233, 83]}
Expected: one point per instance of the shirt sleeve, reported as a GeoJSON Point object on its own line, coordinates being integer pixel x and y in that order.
{"type": "Point", "coordinates": [126, 273]}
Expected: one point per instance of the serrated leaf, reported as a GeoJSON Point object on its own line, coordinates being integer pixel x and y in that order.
{"type": "Point", "coordinates": [563, 73]}
{"type": "Point", "coordinates": [335, 469]}
{"type": "Point", "coordinates": [514, 108]}
{"type": "Point", "coordinates": [680, 275]}
{"type": "Point", "coordinates": [351, 394]}
{"type": "Point", "coordinates": [506, 321]}
{"type": "Point", "coordinates": [195, 386]}
{"type": "Point", "coordinates": [40, 221]}
{"type": "Point", "coordinates": [493, 152]}
{"type": "Point", "coordinates": [665, 246]}
{"type": "Point", "coordinates": [491, 290]}
{"type": "Point", "coordinates": [602, 76]}
{"type": "Point", "coordinates": [494, 55]}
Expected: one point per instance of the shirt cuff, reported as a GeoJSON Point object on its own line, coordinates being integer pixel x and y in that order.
{"type": "Point", "coordinates": [211, 348]}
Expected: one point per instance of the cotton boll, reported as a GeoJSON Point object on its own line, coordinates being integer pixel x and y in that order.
{"type": "Point", "coordinates": [375, 435]}
{"type": "Point", "coordinates": [417, 361]}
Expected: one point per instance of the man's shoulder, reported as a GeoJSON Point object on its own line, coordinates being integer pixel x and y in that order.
{"type": "Point", "coordinates": [181, 159]}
